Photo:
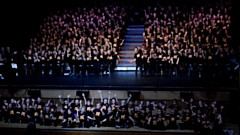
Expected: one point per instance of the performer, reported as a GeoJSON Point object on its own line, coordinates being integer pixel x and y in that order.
{"type": "Point", "coordinates": [174, 62]}
{"type": "Point", "coordinates": [138, 59]}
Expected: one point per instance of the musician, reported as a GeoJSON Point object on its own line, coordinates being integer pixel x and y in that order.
{"type": "Point", "coordinates": [174, 61]}
{"type": "Point", "coordinates": [95, 62]}
{"type": "Point", "coordinates": [47, 116]}
{"type": "Point", "coordinates": [124, 118]}
{"type": "Point", "coordinates": [50, 61]}
{"type": "Point", "coordinates": [59, 115]}
{"type": "Point", "coordinates": [24, 114]}
{"type": "Point", "coordinates": [36, 61]}
{"type": "Point", "coordinates": [200, 62]}
{"type": "Point", "coordinates": [98, 116]}
{"type": "Point", "coordinates": [11, 114]}
{"type": "Point", "coordinates": [88, 62]}
{"type": "Point", "coordinates": [1, 67]}
{"type": "Point", "coordinates": [187, 120]}
{"type": "Point", "coordinates": [109, 35]}
{"type": "Point", "coordinates": [159, 58]}
{"type": "Point", "coordinates": [157, 121]}
{"type": "Point", "coordinates": [110, 61]}
{"type": "Point", "coordinates": [82, 120]}
{"type": "Point", "coordinates": [67, 57]}
{"type": "Point", "coordinates": [209, 59]}
{"type": "Point", "coordinates": [138, 59]}
{"type": "Point", "coordinates": [146, 119]}
{"type": "Point", "coordinates": [30, 60]}
{"type": "Point", "coordinates": [115, 58]}
{"type": "Point", "coordinates": [152, 62]}
{"type": "Point", "coordinates": [43, 60]}
{"type": "Point", "coordinates": [69, 119]}
{"type": "Point", "coordinates": [58, 62]}
{"type": "Point", "coordinates": [144, 62]}
{"type": "Point", "coordinates": [73, 62]}
{"type": "Point", "coordinates": [105, 63]}
{"type": "Point", "coordinates": [80, 62]}
{"type": "Point", "coordinates": [172, 120]}
{"type": "Point", "coordinates": [190, 61]}
{"type": "Point", "coordinates": [168, 61]}
{"type": "Point", "coordinates": [102, 60]}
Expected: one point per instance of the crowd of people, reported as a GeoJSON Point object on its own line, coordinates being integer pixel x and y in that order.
{"type": "Point", "coordinates": [203, 117]}
{"type": "Point", "coordinates": [85, 39]}
{"type": "Point", "coordinates": [182, 40]}
{"type": "Point", "coordinates": [8, 60]}
{"type": "Point", "coordinates": [178, 40]}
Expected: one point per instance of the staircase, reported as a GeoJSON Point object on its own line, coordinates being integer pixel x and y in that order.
{"type": "Point", "coordinates": [133, 38]}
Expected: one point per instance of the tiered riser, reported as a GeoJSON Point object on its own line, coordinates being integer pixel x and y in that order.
{"type": "Point", "coordinates": [133, 39]}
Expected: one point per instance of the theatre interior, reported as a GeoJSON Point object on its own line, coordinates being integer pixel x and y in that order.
{"type": "Point", "coordinates": [132, 67]}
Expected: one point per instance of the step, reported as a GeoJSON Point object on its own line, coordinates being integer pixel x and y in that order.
{"type": "Point", "coordinates": [127, 56]}
{"type": "Point", "coordinates": [128, 48]}
{"type": "Point", "coordinates": [135, 26]}
{"type": "Point", "coordinates": [126, 65]}
{"type": "Point", "coordinates": [134, 40]}
{"type": "Point", "coordinates": [132, 44]}
{"type": "Point", "coordinates": [125, 68]}
{"type": "Point", "coordinates": [134, 33]}
{"type": "Point", "coordinates": [135, 29]}
{"type": "Point", "coordinates": [129, 60]}
{"type": "Point", "coordinates": [134, 36]}
{"type": "Point", "coordinates": [126, 52]}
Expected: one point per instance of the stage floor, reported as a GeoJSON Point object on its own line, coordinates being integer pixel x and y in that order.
{"type": "Point", "coordinates": [109, 130]}
{"type": "Point", "coordinates": [123, 80]}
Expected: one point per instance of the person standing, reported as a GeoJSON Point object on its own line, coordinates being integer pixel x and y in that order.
{"type": "Point", "coordinates": [137, 59]}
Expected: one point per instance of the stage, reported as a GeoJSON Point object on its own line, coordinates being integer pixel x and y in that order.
{"type": "Point", "coordinates": [20, 129]}
{"type": "Point", "coordinates": [123, 81]}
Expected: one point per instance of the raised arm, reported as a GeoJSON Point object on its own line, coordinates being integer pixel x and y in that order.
{"type": "Point", "coordinates": [140, 105]}
{"type": "Point", "coordinates": [177, 61]}
{"type": "Point", "coordinates": [33, 102]}
{"type": "Point", "coordinates": [60, 99]}
{"type": "Point", "coordinates": [84, 98]}
{"type": "Point", "coordinates": [80, 104]}
{"type": "Point", "coordinates": [70, 103]}
{"type": "Point", "coordinates": [68, 98]}
{"type": "Point", "coordinates": [122, 42]}
{"type": "Point", "coordinates": [23, 101]}
{"type": "Point", "coordinates": [18, 104]}
{"type": "Point", "coordinates": [115, 95]}
{"type": "Point", "coordinates": [48, 103]}
{"type": "Point", "coordinates": [109, 96]}
{"type": "Point", "coordinates": [92, 100]}
{"type": "Point", "coordinates": [100, 93]}
{"type": "Point", "coordinates": [131, 118]}
{"type": "Point", "coordinates": [129, 98]}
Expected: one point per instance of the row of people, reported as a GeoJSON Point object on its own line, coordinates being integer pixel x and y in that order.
{"type": "Point", "coordinates": [92, 60]}
{"type": "Point", "coordinates": [197, 116]}
{"type": "Point", "coordinates": [189, 61]}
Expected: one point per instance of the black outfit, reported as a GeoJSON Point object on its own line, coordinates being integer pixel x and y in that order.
{"type": "Point", "coordinates": [138, 57]}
